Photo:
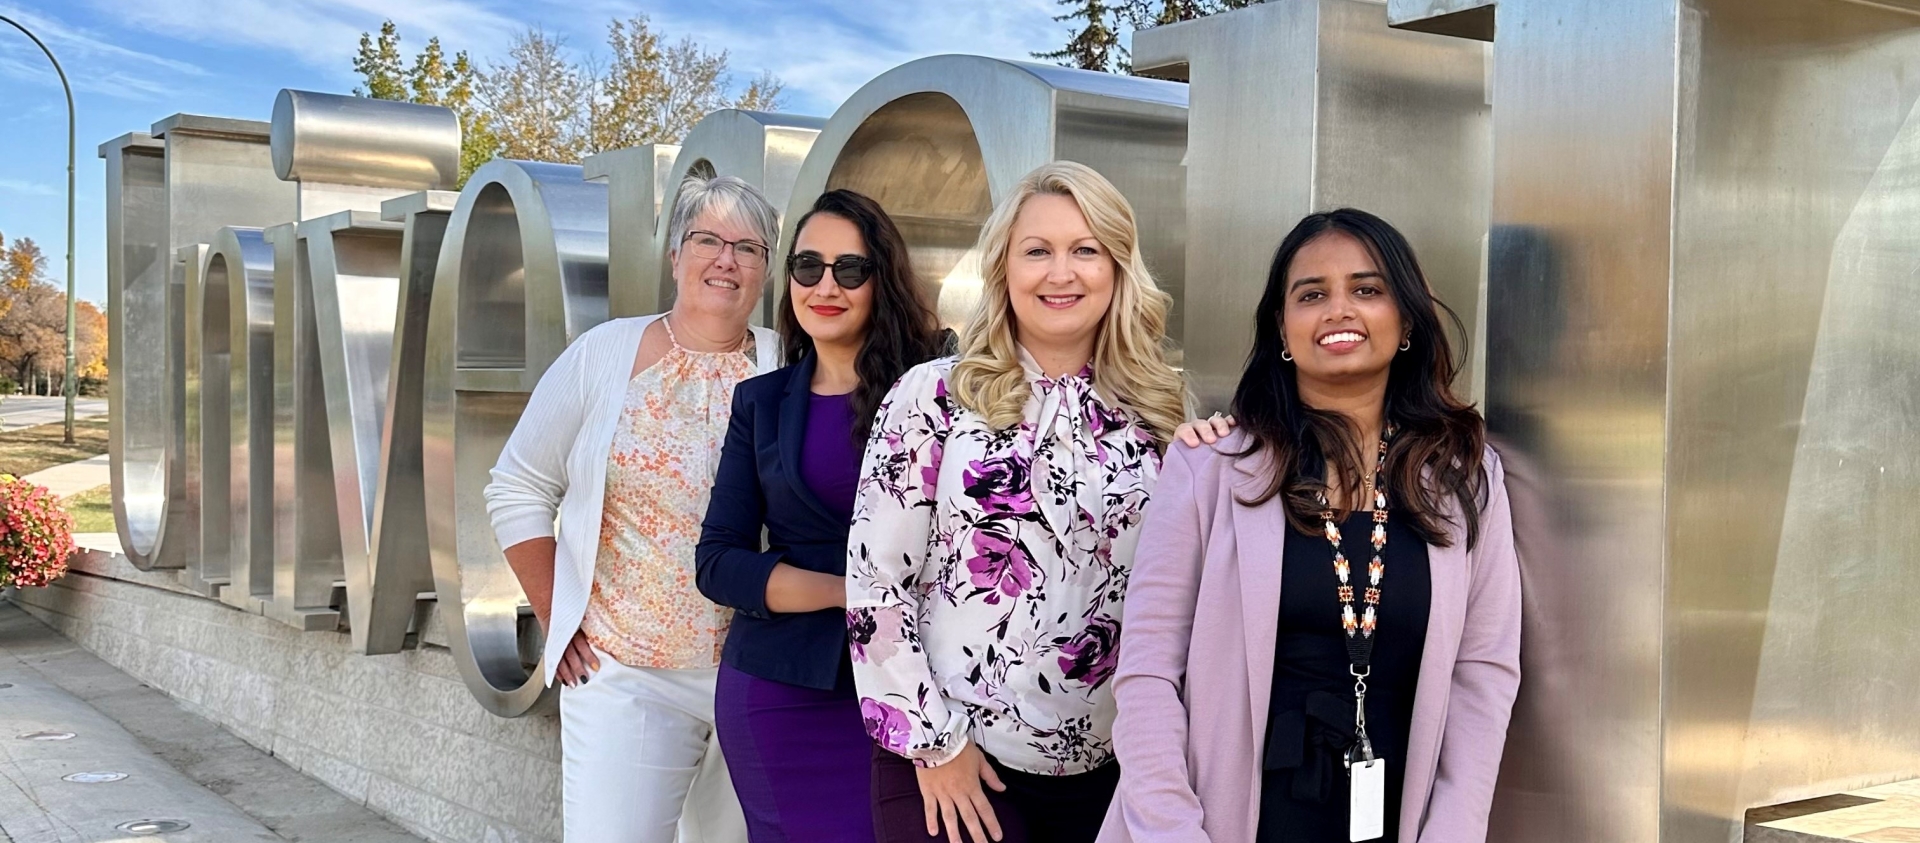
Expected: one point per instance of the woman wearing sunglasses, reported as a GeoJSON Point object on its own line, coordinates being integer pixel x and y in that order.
{"type": "Point", "coordinates": [854, 319]}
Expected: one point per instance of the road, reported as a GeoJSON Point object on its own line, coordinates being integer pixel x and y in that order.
{"type": "Point", "coordinates": [18, 411]}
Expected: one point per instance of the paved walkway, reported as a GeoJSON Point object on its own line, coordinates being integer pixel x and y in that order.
{"type": "Point", "coordinates": [18, 411]}
{"type": "Point", "coordinates": [74, 477]}
{"type": "Point", "coordinates": [178, 765]}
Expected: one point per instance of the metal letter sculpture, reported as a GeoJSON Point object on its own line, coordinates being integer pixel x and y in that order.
{"type": "Point", "coordinates": [1681, 277]}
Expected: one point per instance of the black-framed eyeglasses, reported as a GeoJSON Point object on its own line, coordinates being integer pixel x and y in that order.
{"type": "Point", "coordinates": [849, 271]}
{"type": "Point", "coordinates": [751, 254]}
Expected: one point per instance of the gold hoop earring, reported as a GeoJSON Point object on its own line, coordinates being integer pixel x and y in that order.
{"type": "Point", "coordinates": [1286, 355]}
{"type": "Point", "coordinates": [1407, 344]}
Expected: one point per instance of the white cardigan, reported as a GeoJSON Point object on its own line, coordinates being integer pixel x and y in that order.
{"type": "Point", "coordinates": [555, 463]}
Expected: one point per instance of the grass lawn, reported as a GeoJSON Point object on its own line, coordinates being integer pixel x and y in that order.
{"type": "Point", "coordinates": [92, 510]}
{"type": "Point", "coordinates": [30, 449]}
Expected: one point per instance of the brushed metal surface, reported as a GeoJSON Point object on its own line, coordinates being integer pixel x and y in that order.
{"type": "Point", "coordinates": [288, 261]}
{"type": "Point", "coordinates": [1458, 18]}
{"type": "Point", "coordinates": [522, 272]}
{"type": "Point", "coordinates": [1791, 584]}
{"type": "Point", "coordinates": [1312, 105]}
{"type": "Point", "coordinates": [214, 174]}
{"type": "Point", "coordinates": [637, 183]}
{"type": "Point", "coordinates": [385, 586]}
{"type": "Point", "coordinates": [190, 263]}
{"type": "Point", "coordinates": [246, 290]}
{"type": "Point", "coordinates": [137, 261]}
{"type": "Point", "coordinates": [212, 326]}
{"type": "Point", "coordinates": [348, 287]}
{"type": "Point", "coordinates": [347, 140]}
{"type": "Point", "coordinates": [939, 140]}
{"type": "Point", "coordinates": [1697, 260]}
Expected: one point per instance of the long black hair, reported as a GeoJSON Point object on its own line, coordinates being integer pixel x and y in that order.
{"type": "Point", "coordinates": [1437, 451]}
{"type": "Point", "coordinates": [903, 330]}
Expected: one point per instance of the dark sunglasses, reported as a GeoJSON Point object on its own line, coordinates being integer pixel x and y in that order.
{"type": "Point", "coordinates": [850, 271]}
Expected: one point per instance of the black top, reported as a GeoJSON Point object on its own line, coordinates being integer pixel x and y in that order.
{"type": "Point", "coordinates": [1304, 790]}
{"type": "Point", "coordinates": [758, 485]}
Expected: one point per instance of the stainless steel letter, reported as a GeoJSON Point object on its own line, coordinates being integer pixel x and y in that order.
{"type": "Point", "coordinates": [523, 271]}
{"type": "Point", "coordinates": [938, 140]}
{"type": "Point", "coordinates": [1310, 105]}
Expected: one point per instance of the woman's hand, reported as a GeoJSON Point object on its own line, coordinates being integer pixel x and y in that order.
{"type": "Point", "coordinates": [953, 795]}
{"type": "Point", "coordinates": [1210, 430]}
{"type": "Point", "coordinates": [578, 662]}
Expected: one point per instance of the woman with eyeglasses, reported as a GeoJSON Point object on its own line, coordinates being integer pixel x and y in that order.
{"type": "Point", "coordinates": [999, 503]}
{"type": "Point", "coordinates": [597, 500]}
{"type": "Point", "coordinates": [854, 318]}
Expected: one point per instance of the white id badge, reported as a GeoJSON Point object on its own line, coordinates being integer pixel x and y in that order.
{"type": "Point", "coordinates": [1366, 813]}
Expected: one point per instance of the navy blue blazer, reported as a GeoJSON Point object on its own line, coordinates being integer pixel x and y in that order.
{"type": "Point", "coordinates": [759, 486]}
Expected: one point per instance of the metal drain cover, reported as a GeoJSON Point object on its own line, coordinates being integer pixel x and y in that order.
{"type": "Point", "coordinates": [45, 736]}
{"type": "Point", "coordinates": [153, 826]}
{"type": "Point", "coordinates": [95, 777]}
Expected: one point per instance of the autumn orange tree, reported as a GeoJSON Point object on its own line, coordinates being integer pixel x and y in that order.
{"type": "Point", "coordinates": [33, 320]}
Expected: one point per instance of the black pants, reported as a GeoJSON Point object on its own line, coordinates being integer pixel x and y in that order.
{"type": "Point", "coordinates": [1042, 809]}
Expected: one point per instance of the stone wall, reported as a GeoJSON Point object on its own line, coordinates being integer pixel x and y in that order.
{"type": "Point", "coordinates": [398, 733]}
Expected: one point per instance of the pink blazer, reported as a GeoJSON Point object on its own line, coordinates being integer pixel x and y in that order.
{"type": "Point", "coordinates": [1196, 663]}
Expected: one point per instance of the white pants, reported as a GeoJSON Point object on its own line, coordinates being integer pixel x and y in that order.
{"type": "Point", "coordinates": [640, 760]}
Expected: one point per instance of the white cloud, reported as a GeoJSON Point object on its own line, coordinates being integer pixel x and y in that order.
{"type": "Point", "coordinates": [320, 33]}
{"type": "Point", "coordinates": [29, 188]}
{"type": "Point", "coordinates": [826, 49]}
{"type": "Point", "coordinates": [93, 64]}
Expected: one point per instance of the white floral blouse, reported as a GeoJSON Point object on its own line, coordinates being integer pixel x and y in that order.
{"type": "Point", "coordinates": [985, 572]}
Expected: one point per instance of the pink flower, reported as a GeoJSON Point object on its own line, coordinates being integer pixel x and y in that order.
{"type": "Point", "coordinates": [1000, 564]}
{"type": "Point", "coordinates": [886, 725]}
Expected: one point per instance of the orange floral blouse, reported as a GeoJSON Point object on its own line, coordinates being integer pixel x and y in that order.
{"type": "Point", "coordinates": [644, 609]}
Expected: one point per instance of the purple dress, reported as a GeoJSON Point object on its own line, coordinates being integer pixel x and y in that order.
{"type": "Point", "coordinates": [800, 757]}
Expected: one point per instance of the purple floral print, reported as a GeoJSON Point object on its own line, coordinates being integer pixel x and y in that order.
{"type": "Point", "coordinates": [987, 569]}
{"type": "Point", "coordinates": [886, 725]}
{"type": "Point", "coordinates": [1001, 485]}
{"type": "Point", "coordinates": [1091, 656]}
{"type": "Point", "coordinates": [1000, 566]}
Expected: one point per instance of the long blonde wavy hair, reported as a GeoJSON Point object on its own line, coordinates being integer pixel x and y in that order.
{"type": "Point", "coordinates": [1130, 354]}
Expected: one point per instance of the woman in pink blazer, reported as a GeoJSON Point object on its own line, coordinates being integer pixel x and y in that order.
{"type": "Point", "coordinates": [1356, 525]}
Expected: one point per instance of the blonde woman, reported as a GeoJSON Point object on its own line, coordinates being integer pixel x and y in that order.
{"type": "Point", "coordinates": [993, 532]}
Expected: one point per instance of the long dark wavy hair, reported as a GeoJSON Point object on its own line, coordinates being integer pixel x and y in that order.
{"type": "Point", "coordinates": [903, 330]}
{"type": "Point", "coordinates": [1436, 453]}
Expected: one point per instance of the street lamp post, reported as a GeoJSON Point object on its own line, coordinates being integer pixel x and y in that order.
{"type": "Point", "coordinates": [70, 379]}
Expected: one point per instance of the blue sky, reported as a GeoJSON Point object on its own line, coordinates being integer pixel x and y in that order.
{"type": "Point", "coordinates": [133, 62]}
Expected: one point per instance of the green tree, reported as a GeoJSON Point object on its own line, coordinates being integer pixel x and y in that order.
{"type": "Point", "coordinates": [1096, 45]}
{"type": "Point", "coordinates": [540, 103]}
{"type": "Point", "coordinates": [434, 81]}
{"type": "Point", "coordinates": [431, 80]}
{"type": "Point", "coordinates": [651, 93]}
{"type": "Point", "coordinates": [379, 65]}
{"type": "Point", "coordinates": [538, 99]}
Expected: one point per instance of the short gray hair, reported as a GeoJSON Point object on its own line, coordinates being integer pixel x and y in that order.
{"type": "Point", "coordinates": [728, 197]}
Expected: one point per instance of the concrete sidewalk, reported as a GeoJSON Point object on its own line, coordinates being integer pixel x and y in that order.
{"type": "Point", "coordinates": [178, 765]}
{"type": "Point", "coordinates": [74, 477]}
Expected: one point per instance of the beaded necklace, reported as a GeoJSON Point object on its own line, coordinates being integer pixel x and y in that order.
{"type": "Point", "coordinates": [1359, 627]}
